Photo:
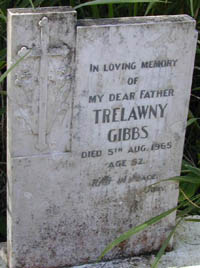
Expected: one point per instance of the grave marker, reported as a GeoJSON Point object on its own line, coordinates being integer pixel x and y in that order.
{"type": "Point", "coordinates": [82, 150]}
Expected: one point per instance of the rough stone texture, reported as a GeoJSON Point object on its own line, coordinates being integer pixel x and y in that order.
{"type": "Point", "coordinates": [140, 262]}
{"type": "Point", "coordinates": [186, 247]}
{"type": "Point", "coordinates": [77, 179]}
{"type": "Point", "coordinates": [3, 255]}
{"type": "Point", "coordinates": [185, 253]}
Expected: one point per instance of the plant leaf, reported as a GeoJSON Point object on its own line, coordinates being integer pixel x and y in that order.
{"type": "Point", "coordinates": [164, 245]}
{"type": "Point", "coordinates": [189, 208]}
{"type": "Point", "coordinates": [135, 230]}
{"type": "Point", "coordinates": [192, 8]}
{"type": "Point", "coordinates": [188, 188]}
{"type": "Point", "coordinates": [4, 75]}
{"type": "Point", "coordinates": [191, 121]}
{"type": "Point", "coordinates": [2, 16]}
{"type": "Point", "coordinates": [190, 179]}
{"type": "Point", "coordinates": [192, 169]}
{"type": "Point", "coordinates": [150, 5]}
{"type": "Point", "coordinates": [110, 11]}
{"type": "Point", "coordinates": [105, 2]}
{"type": "Point", "coordinates": [32, 5]}
{"type": "Point", "coordinates": [188, 199]}
{"type": "Point", "coordinates": [2, 111]}
{"type": "Point", "coordinates": [3, 92]}
{"type": "Point", "coordinates": [193, 220]}
{"type": "Point", "coordinates": [95, 12]}
{"type": "Point", "coordinates": [196, 88]}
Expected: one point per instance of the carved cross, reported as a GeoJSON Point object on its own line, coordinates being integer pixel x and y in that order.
{"type": "Point", "coordinates": [43, 52]}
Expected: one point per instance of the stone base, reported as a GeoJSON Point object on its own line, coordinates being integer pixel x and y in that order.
{"type": "Point", "coordinates": [3, 255]}
{"type": "Point", "coordinates": [186, 252]}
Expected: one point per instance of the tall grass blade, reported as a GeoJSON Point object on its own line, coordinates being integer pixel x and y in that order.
{"type": "Point", "coordinates": [135, 9]}
{"type": "Point", "coordinates": [72, 3]}
{"type": "Point", "coordinates": [192, 220]}
{"type": "Point", "coordinates": [196, 88]}
{"type": "Point", "coordinates": [2, 111]}
{"type": "Point", "coordinates": [95, 12]}
{"type": "Point", "coordinates": [105, 2]}
{"type": "Point", "coordinates": [186, 212]}
{"type": "Point", "coordinates": [2, 64]}
{"type": "Point", "coordinates": [130, 10]}
{"type": "Point", "coordinates": [4, 75]}
{"type": "Point", "coordinates": [31, 2]}
{"type": "Point", "coordinates": [2, 16]}
{"type": "Point", "coordinates": [188, 199]}
{"type": "Point", "coordinates": [190, 179]}
{"type": "Point", "coordinates": [197, 10]}
{"type": "Point", "coordinates": [38, 2]}
{"type": "Point", "coordinates": [150, 6]}
{"type": "Point", "coordinates": [3, 92]}
{"type": "Point", "coordinates": [192, 169]}
{"type": "Point", "coordinates": [135, 230]}
{"type": "Point", "coordinates": [191, 121]}
{"type": "Point", "coordinates": [2, 54]}
{"type": "Point", "coordinates": [189, 208]}
{"type": "Point", "coordinates": [164, 246]}
{"type": "Point", "coordinates": [110, 11]}
{"type": "Point", "coordinates": [190, 189]}
{"type": "Point", "coordinates": [192, 7]}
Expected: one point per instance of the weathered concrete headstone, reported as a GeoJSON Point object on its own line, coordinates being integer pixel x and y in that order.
{"type": "Point", "coordinates": [82, 151]}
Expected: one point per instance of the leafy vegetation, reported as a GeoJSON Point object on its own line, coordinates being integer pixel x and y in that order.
{"type": "Point", "coordinates": [189, 199]}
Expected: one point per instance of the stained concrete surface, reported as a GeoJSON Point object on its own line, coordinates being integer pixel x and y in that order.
{"type": "Point", "coordinates": [186, 253]}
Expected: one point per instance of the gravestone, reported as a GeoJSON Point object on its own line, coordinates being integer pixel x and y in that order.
{"type": "Point", "coordinates": [88, 134]}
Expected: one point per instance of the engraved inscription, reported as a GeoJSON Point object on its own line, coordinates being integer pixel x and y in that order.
{"type": "Point", "coordinates": [127, 116]}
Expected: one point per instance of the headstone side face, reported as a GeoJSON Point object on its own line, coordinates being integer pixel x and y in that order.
{"type": "Point", "coordinates": [40, 91]}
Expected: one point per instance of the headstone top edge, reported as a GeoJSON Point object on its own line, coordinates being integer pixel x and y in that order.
{"type": "Point", "coordinates": [136, 20]}
{"type": "Point", "coordinates": [42, 10]}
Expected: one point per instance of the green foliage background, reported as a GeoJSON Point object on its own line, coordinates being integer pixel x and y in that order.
{"type": "Point", "coordinates": [190, 185]}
